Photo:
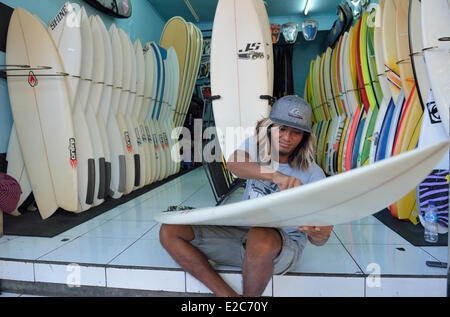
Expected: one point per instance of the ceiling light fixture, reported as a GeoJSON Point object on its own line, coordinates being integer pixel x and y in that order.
{"type": "Point", "coordinates": [307, 7]}
{"type": "Point", "coordinates": [188, 4]}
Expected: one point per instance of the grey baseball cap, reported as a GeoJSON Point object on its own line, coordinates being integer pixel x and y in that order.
{"type": "Point", "coordinates": [292, 111]}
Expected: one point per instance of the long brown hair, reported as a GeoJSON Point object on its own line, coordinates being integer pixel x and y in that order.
{"type": "Point", "coordinates": [302, 157]}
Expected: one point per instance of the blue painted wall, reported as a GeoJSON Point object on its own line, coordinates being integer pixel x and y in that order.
{"type": "Point", "coordinates": [5, 111]}
{"type": "Point", "coordinates": [145, 24]}
{"type": "Point", "coordinates": [304, 52]}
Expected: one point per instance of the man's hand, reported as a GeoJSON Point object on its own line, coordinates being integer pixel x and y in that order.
{"type": "Point", "coordinates": [317, 235]}
{"type": "Point", "coordinates": [285, 182]}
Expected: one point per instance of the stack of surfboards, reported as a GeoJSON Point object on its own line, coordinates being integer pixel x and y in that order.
{"type": "Point", "coordinates": [186, 41]}
{"type": "Point", "coordinates": [93, 112]}
{"type": "Point", "coordinates": [380, 91]}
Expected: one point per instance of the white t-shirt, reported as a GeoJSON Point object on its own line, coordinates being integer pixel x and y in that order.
{"type": "Point", "coordinates": [257, 188]}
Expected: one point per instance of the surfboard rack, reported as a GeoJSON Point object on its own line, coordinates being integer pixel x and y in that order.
{"type": "Point", "coordinates": [15, 68]}
{"type": "Point", "coordinates": [212, 98]}
{"type": "Point", "coordinates": [271, 99]}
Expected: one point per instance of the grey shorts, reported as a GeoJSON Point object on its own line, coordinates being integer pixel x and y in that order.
{"type": "Point", "coordinates": [226, 246]}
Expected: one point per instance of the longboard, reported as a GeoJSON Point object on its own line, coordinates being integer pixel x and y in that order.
{"type": "Point", "coordinates": [331, 201]}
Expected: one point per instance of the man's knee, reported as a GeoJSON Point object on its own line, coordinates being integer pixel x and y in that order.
{"type": "Point", "coordinates": [264, 242]}
{"type": "Point", "coordinates": [169, 233]}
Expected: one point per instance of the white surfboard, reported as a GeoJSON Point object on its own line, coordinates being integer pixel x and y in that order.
{"type": "Point", "coordinates": [155, 125]}
{"type": "Point", "coordinates": [95, 67]}
{"type": "Point", "coordinates": [163, 114]}
{"type": "Point", "coordinates": [143, 117]}
{"type": "Point", "coordinates": [331, 201]}
{"type": "Point", "coordinates": [127, 115]}
{"type": "Point", "coordinates": [135, 111]}
{"type": "Point", "coordinates": [175, 149]}
{"type": "Point", "coordinates": [435, 28]}
{"type": "Point", "coordinates": [153, 113]}
{"type": "Point", "coordinates": [164, 109]}
{"type": "Point", "coordinates": [67, 35]}
{"type": "Point", "coordinates": [127, 110]}
{"type": "Point", "coordinates": [129, 76]}
{"type": "Point", "coordinates": [152, 72]}
{"type": "Point", "coordinates": [50, 157]}
{"type": "Point", "coordinates": [105, 105]}
{"type": "Point", "coordinates": [162, 105]}
{"type": "Point", "coordinates": [238, 72]}
{"type": "Point", "coordinates": [115, 127]}
{"type": "Point", "coordinates": [95, 127]}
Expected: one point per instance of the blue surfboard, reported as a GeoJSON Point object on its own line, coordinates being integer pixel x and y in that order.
{"type": "Point", "coordinates": [384, 132]}
{"type": "Point", "coordinates": [394, 124]}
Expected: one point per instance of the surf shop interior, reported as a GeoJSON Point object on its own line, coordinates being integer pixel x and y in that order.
{"type": "Point", "coordinates": [98, 98]}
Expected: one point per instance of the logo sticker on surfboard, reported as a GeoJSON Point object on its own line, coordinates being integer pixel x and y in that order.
{"type": "Point", "coordinates": [251, 52]}
{"type": "Point", "coordinates": [73, 153]}
{"type": "Point", "coordinates": [166, 140]}
{"type": "Point", "coordinates": [32, 79]}
{"type": "Point", "coordinates": [433, 112]}
{"type": "Point", "coordinates": [128, 142]}
{"type": "Point", "coordinates": [161, 139]}
{"type": "Point", "coordinates": [155, 142]}
{"type": "Point", "coordinates": [138, 136]}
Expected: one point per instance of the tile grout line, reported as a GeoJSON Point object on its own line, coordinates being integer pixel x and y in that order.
{"type": "Point", "coordinates": [422, 248]}
{"type": "Point", "coordinates": [139, 238]}
{"type": "Point", "coordinates": [354, 260]}
{"type": "Point", "coordinates": [64, 244]}
{"type": "Point", "coordinates": [201, 187]}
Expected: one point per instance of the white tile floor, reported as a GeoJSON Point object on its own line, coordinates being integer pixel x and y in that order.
{"type": "Point", "coordinates": [121, 249]}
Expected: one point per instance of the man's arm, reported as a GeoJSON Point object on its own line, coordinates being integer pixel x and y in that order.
{"type": "Point", "coordinates": [241, 166]}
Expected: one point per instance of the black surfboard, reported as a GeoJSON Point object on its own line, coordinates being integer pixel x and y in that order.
{"type": "Point", "coordinates": [116, 8]}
